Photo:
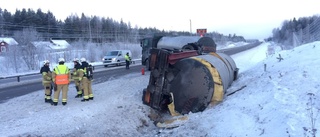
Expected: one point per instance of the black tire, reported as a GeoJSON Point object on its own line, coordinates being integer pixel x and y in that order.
{"type": "Point", "coordinates": [118, 64]}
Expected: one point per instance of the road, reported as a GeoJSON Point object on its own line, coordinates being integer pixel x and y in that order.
{"type": "Point", "coordinates": [10, 88]}
{"type": "Point", "coordinates": [100, 76]}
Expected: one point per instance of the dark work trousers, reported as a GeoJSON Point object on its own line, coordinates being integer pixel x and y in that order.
{"type": "Point", "coordinates": [127, 64]}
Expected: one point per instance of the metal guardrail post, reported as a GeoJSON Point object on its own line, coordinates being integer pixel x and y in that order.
{"type": "Point", "coordinates": [18, 78]}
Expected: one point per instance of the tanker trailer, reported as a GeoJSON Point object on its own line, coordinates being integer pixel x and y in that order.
{"type": "Point", "coordinates": [200, 44]}
{"type": "Point", "coordinates": [183, 81]}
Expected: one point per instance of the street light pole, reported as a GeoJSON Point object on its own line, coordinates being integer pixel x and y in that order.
{"type": "Point", "coordinates": [90, 31]}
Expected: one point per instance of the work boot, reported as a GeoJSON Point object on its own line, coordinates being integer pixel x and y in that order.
{"type": "Point", "coordinates": [78, 96]}
{"type": "Point", "coordinates": [91, 98]}
{"type": "Point", "coordinates": [64, 103]}
{"type": "Point", "coordinates": [48, 100]}
{"type": "Point", "coordinates": [54, 103]}
{"type": "Point", "coordinates": [83, 100]}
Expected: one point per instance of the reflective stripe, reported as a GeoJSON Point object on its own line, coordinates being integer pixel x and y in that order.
{"type": "Point", "coordinates": [55, 100]}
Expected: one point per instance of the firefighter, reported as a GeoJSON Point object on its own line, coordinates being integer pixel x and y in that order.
{"type": "Point", "coordinates": [46, 81]}
{"type": "Point", "coordinates": [61, 80]}
{"type": "Point", "coordinates": [128, 60]}
{"type": "Point", "coordinates": [86, 80]}
{"type": "Point", "coordinates": [75, 76]}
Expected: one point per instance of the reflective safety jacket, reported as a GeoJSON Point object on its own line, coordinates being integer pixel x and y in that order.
{"type": "Point", "coordinates": [127, 57]}
{"type": "Point", "coordinates": [76, 71]}
{"type": "Point", "coordinates": [83, 70]}
{"type": "Point", "coordinates": [61, 75]}
{"type": "Point", "coordinates": [46, 75]}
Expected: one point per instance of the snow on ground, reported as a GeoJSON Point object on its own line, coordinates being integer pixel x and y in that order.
{"type": "Point", "coordinates": [281, 101]}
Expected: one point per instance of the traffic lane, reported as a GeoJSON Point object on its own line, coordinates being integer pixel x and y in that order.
{"type": "Point", "coordinates": [102, 66]}
{"type": "Point", "coordinates": [19, 90]}
{"type": "Point", "coordinates": [235, 50]}
{"type": "Point", "coordinates": [99, 77]}
{"type": "Point", "coordinates": [103, 76]}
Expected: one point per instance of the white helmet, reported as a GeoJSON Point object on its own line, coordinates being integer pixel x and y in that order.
{"type": "Point", "coordinates": [75, 60]}
{"type": "Point", "coordinates": [61, 60]}
{"type": "Point", "coordinates": [83, 59]}
{"type": "Point", "coordinates": [46, 62]}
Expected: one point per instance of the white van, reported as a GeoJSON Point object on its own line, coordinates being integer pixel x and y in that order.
{"type": "Point", "coordinates": [115, 57]}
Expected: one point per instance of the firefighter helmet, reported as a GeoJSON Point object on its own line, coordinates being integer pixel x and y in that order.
{"type": "Point", "coordinates": [83, 59]}
{"type": "Point", "coordinates": [75, 60]}
{"type": "Point", "coordinates": [61, 60]}
{"type": "Point", "coordinates": [46, 62]}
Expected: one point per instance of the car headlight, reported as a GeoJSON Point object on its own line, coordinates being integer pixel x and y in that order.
{"type": "Point", "coordinates": [113, 59]}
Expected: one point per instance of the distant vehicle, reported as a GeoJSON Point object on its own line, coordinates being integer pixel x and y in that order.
{"type": "Point", "coordinates": [115, 57]}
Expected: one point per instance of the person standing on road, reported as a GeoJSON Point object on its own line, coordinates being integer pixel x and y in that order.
{"type": "Point", "coordinates": [61, 78]}
{"type": "Point", "coordinates": [86, 80]}
{"type": "Point", "coordinates": [128, 60]}
{"type": "Point", "coordinates": [75, 76]}
{"type": "Point", "coordinates": [46, 81]}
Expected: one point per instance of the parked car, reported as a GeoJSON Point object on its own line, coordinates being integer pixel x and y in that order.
{"type": "Point", "coordinates": [115, 57]}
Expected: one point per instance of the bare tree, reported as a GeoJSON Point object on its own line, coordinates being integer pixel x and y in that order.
{"type": "Point", "coordinates": [13, 58]}
{"type": "Point", "coordinates": [30, 54]}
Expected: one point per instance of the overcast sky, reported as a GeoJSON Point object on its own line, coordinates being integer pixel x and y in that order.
{"type": "Point", "coordinates": [248, 18]}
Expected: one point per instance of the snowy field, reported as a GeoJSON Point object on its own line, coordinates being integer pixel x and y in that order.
{"type": "Point", "coordinates": [279, 101]}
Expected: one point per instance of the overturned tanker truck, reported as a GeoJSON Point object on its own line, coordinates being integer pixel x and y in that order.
{"type": "Point", "coordinates": [186, 74]}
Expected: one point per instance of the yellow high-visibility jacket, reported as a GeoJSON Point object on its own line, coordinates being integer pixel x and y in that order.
{"type": "Point", "coordinates": [61, 75]}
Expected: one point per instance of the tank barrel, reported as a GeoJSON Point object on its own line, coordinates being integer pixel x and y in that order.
{"type": "Point", "coordinates": [187, 81]}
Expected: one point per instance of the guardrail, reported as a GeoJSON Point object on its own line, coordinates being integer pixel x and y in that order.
{"type": "Point", "coordinates": [133, 61]}
{"type": "Point", "coordinates": [227, 51]}
{"type": "Point", "coordinates": [18, 76]}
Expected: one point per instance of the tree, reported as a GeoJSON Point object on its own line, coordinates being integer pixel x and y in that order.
{"type": "Point", "coordinates": [13, 58]}
{"type": "Point", "coordinates": [30, 54]}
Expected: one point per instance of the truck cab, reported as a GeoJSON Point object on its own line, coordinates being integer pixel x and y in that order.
{"type": "Point", "coordinates": [147, 44]}
{"type": "Point", "coordinates": [202, 45]}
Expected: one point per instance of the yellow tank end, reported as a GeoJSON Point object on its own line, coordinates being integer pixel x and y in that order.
{"type": "Point", "coordinates": [218, 87]}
